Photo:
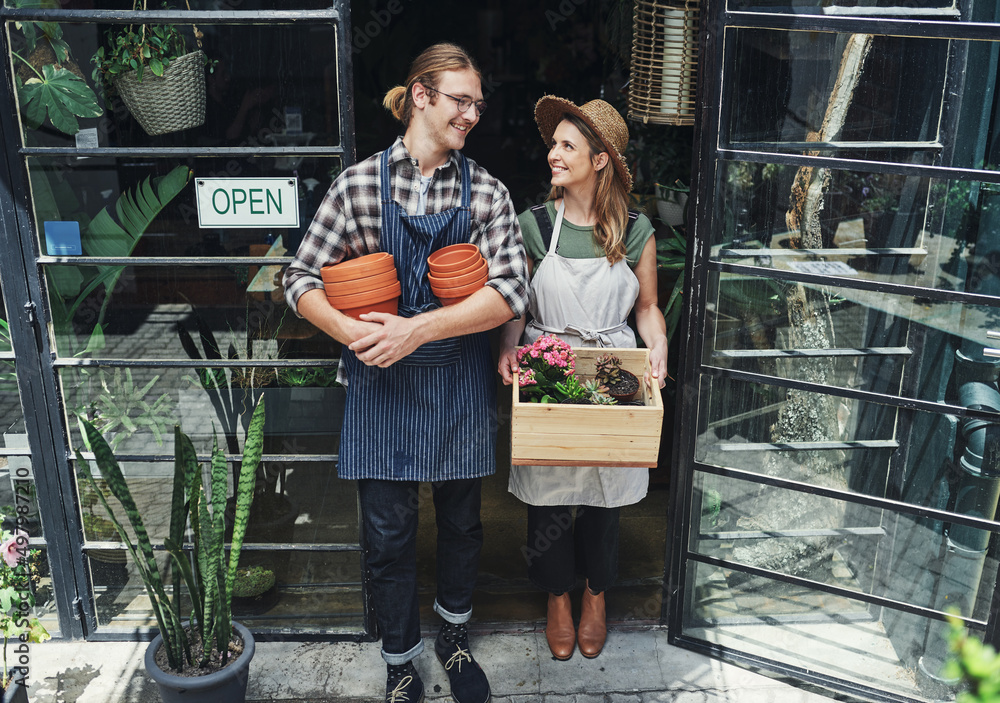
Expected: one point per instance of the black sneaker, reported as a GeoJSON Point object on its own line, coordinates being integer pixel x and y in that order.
{"type": "Point", "coordinates": [468, 682]}
{"type": "Point", "coordinates": [403, 685]}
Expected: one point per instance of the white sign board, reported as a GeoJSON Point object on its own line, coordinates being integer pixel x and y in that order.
{"type": "Point", "coordinates": [247, 202]}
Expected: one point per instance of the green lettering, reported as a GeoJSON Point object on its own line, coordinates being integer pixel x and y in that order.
{"type": "Point", "coordinates": [255, 200]}
{"type": "Point", "coordinates": [238, 202]}
{"type": "Point", "coordinates": [277, 203]}
{"type": "Point", "coordinates": [215, 205]}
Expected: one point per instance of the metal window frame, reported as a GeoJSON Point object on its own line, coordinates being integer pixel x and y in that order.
{"type": "Point", "coordinates": [711, 113]}
{"type": "Point", "coordinates": [37, 363]}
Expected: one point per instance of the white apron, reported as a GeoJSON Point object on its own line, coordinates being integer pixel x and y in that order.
{"type": "Point", "coordinates": [586, 303]}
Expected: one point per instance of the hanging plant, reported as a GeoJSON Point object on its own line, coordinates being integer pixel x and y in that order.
{"type": "Point", "coordinates": [49, 84]}
{"type": "Point", "coordinates": [161, 81]}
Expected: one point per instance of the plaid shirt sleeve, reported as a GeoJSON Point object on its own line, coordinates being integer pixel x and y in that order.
{"type": "Point", "coordinates": [498, 234]}
{"type": "Point", "coordinates": [345, 226]}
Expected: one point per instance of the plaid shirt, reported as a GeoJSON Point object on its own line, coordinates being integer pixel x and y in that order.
{"type": "Point", "coordinates": [348, 222]}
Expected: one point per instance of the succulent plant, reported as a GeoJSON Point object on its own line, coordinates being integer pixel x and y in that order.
{"type": "Point", "coordinates": [597, 393]}
{"type": "Point", "coordinates": [608, 369]}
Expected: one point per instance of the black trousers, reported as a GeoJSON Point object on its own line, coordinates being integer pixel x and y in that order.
{"type": "Point", "coordinates": [562, 546]}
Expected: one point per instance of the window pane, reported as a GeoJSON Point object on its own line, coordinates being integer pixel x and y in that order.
{"type": "Point", "coordinates": [217, 5]}
{"type": "Point", "coordinates": [266, 85]}
{"type": "Point", "coordinates": [160, 312]}
{"type": "Point", "coordinates": [320, 592]}
{"type": "Point", "coordinates": [850, 445]}
{"type": "Point", "coordinates": [860, 226]}
{"type": "Point", "coordinates": [840, 544]}
{"type": "Point", "coordinates": [864, 340]}
{"type": "Point", "coordinates": [86, 195]}
{"type": "Point", "coordinates": [799, 89]}
{"type": "Point", "coordinates": [888, 650]}
{"type": "Point", "coordinates": [855, 7]}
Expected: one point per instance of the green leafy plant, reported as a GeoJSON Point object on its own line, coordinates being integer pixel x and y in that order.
{"type": "Point", "coordinates": [251, 581]}
{"type": "Point", "coordinates": [976, 664]}
{"type": "Point", "coordinates": [121, 408]}
{"type": "Point", "coordinates": [671, 255]}
{"type": "Point", "coordinates": [103, 236]}
{"type": "Point", "coordinates": [55, 92]}
{"type": "Point", "coordinates": [206, 574]}
{"type": "Point", "coordinates": [17, 596]}
{"type": "Point", "coordinates": [144, 48]}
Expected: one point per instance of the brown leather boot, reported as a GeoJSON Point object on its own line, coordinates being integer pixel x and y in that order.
{"type": "Point", "coordinates": [559, 632]}
{"type": "Point", "coordinates": [593, 629]}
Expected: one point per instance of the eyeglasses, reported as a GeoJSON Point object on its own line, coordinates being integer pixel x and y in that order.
{"type": "Point", "coordinates": [463, 103]}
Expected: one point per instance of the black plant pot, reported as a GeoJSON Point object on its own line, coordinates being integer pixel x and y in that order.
{"type": "Point", "coordinates": [15, 692]}
{"type": "Point", "coordinates": [227, 685]}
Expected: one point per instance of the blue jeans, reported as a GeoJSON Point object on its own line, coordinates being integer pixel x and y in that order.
{"type": "Point", "coordinates": [389, 534]}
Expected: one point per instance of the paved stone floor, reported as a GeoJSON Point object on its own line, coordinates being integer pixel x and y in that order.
{"type": "Point", "coordinates": [635, 667]}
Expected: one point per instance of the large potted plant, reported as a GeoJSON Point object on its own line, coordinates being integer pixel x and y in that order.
{"type": "Point", "coordinates": [161, 81]}
{"type": "Point", "coordinates": [208, 657]}
{"type": "Point", "coordinates": [17, 596]}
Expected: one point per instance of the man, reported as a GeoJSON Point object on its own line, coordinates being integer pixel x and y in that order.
{"type": "Point", "coordinates": [420, 387]}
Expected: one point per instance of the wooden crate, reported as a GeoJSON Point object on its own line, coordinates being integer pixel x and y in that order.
{"type": "Point", "coordinates": [552, 434]}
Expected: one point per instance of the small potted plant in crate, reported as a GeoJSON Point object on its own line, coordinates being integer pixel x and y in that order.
{"type": "Point", "coordinates": [549, 426]}
{"type": "Point", "coordinates": [161, 81]}
{"type": "Point", "coordinates": [17, 593]}
{"type": "Point", "coordinates": [208, 657]}
{"type": "Point", "coordinates": [621, 384]}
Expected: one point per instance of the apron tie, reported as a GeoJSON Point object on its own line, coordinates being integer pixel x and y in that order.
{"type": "Point", "coordinates": [601, 337]}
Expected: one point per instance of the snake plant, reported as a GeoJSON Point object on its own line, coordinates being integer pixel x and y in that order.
{"type": "Point", "coordinates": [205, 572]}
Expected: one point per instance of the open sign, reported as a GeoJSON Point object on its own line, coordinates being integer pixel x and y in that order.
{"type": "Point", "coordinates": [247, 202]}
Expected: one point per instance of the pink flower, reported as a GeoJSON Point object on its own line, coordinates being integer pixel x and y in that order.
{"type": "Point", "coordinates": [15, 548]}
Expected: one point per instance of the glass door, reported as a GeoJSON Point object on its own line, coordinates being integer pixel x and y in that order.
{"type": "Point", "coordinates": [840, 471]}
{"type": "Point", "coordinates": [150, 314]}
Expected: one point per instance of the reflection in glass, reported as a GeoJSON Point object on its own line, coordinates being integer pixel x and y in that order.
{"type": "Point", "coordinates": [269, 85]}
{"type": "Point", "coordinates": [882, 648]}
{"type": "Point", "coordinates": [839, 544]}
{"type": "Point", "coordinates": [850, 338]}
{"type": "Point", "coordinates": [319, 591]}
{"type": "Point", "coordinates": [824, 6]}
{"type": "Point", "coordinates": [827, 87]}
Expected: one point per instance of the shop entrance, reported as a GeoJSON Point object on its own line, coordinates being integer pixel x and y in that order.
{"type": "Point", "coordinates": [838, 489]}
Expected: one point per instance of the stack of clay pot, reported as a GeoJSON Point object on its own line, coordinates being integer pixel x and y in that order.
{"type": "Point", "coordinates": [365, 284]}
{"type": "Point", "coordinates": [456, 272]}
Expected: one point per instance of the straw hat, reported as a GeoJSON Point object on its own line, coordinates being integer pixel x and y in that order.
{"type": "Point", "coordinates": [607, 124]}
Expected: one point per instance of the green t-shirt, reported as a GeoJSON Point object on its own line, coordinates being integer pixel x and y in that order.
{"type": "Point", "coordinates": [578, 242]}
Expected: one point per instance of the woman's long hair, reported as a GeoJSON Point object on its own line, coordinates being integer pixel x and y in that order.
{"type": "Point", "coordinates": [425, 70]}
{"type": "Point", "coordinates": [610, 197]}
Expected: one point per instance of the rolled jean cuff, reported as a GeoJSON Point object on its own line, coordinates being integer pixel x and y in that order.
{"type": "Point", "coordinates": [397, 659]}
{"type": "Point", "coordinates": [452, 617]}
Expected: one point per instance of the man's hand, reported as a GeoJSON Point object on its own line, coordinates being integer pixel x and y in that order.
{"type": "Point", "coordinates": [394, 338]}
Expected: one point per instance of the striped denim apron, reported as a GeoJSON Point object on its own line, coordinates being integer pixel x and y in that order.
{"type": "Point", "coordinates": [431, 416]}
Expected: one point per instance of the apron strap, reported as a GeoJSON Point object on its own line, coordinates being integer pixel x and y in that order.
{"type": "Point", "coordinates": [602, 337]}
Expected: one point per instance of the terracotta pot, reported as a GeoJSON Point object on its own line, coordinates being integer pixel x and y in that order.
{"type": "Point", "coordinates": [450, 296]}
{"type": "Point", "coordinates": [459, 279]}
{"type": "Point", "coordinates": [361, 267]}
{"type": "Point", "coordinates": [453, 258]}
{"type": "Point", "coordinates": [361, 285]}
{"type": "Point", "coordinates": [381, 300]}
{"type": "Point", "coordinates": [460, 270]}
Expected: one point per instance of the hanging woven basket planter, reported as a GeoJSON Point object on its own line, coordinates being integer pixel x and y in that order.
{"type": "Point", "coordinates": [664, 68]}
{"type": "Point", "coordinates": [167, 103]}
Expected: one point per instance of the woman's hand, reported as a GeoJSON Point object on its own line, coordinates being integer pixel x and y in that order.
{"type": "Point", "coordinates": [507, 365]}
{"type": "Point", "coordinates": [657, 363]}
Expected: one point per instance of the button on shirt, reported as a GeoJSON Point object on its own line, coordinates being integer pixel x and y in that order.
{"type": "Point", "coordinates": [347, 222]}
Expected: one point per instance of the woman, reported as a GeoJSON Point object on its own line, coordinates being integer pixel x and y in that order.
{"type": "Point", "coordinates": [592, 262]}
